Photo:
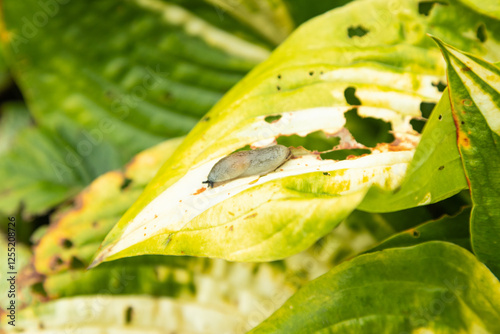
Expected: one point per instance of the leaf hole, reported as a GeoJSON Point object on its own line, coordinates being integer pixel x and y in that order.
{"type": "Point", "coordinates": [279, 76]}
{"type": "Point", "coordinates": [126, 183]}
{"type": "Point", "coordinates": [350, 96]}
{"type": "Point", "coordinates": [440, 117]}
{"type": "Point", "coordinates": [311, 73]}
{"type": "Point", "coordinates": [481, 33]}
{"type": "Point", "coordinates": [366, 130]}
{"type": "Point", "coordinates": [314, 141]}
{"type": "Point", "coordinates": [425, 7]}
{"type": "Point", "coordinates": [441, 168]}
{"type": "Point", "coordinates": [66, 243]}
{"type": "Point", "coordinates": [415, 233]}
{"type": "Point", "coordinates": [417, 125]}
{"type": "Point", "coordinates": [357, 31]}
{"type": "Point", "coordinates": [344, 154]}
{"type": "Point", "coordinates": [129, 314]}
{"type": "Point", "coordinates": [441, 86]}
{"type": "Point", "coordinates": [278, 88]}
{"type": "Point", "coordinates": [272, 118]}
{"type": "Point", "coordinates": [326, 174]}
{"type": "Point", "coordinates": [206, 118]}
{"type": "Point", "coordinates": [426, 108]}
{"type": "Point", "coordinates": [76, 263]}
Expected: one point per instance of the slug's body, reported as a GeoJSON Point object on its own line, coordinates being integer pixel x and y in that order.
{"type": "Point", "coordinates": [248, 163]}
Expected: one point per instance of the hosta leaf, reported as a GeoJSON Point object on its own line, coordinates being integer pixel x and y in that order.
{"type": "Point", "coordinates": [15, 117]}
{"type": "Point", "coordinates": [42, 168]}
{"type": "Point", "coordinates": [125, 314]}
{"type": "Point", "coordinates": [487, 7]}
{"type": "Point", "coordinates": [147, 72]}
{"type": "Point", "coordinates": [435, 172]}
{"type": "Point", "coordinates": [76, 232]}
{"type": "Point", "coordinates": [431, 287]}
{"type": "Point", "coordinates": [4, 73]}
{"type": "Point", "coordinates": [453, 229]}
{"type": "Point", "coordinates": [327, 77]}
{"type": "Point", "coordinates": [475, 98]}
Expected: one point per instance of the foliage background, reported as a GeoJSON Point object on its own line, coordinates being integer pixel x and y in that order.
{"type": "Point", "coordinates": [97, 95]}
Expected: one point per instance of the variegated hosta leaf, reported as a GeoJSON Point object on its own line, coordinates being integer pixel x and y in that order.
{"type": "Point", "coordinates": [435, 172]}
{"type": "Point", "coordinates": [475, 99]}
{"type": "Point", "coordinates": [126, 314]}
{"type": "Point", "coordinates": [435, 287]}
{"type": "Point", "coordinates": [304, 84]}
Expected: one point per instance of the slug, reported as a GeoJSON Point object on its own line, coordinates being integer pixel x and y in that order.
{"type": "Point", "coordinates": [247, 163]}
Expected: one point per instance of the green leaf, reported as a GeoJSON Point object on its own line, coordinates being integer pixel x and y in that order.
{"type": "Point", "coordinates": [487, 7]}
{"type": "Point", "coordinates": [336, 82]}
{"type": "Point", "coordinates": [15, 117]}
{"type": "Point", "coordinates": [143, 83]}
{"type": "Point", "coordinates": [475, 99]}
{"type": "Point", "coordinates": [77, 231]}
{"type": "Point", "coordinates": [435, 172]}
{"type": "Point", "coordinates": [431, 287]}
{"type": "Point", "coordinates": [4, 72]}
{"type": "Point", "coordinates": [43, 168]}
{"type": "Point", "coordinates": [454, 229]}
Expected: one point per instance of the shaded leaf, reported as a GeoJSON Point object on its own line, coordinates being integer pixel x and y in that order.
{"type": "Point", "coordinates": [15, 117]}
{"type": "Point", "coordinates": [454, 229]}
{"type": "Point", "coordinates": [43, 168]}
{"type": "Point", "coordinates": [475, 99]}
{"type": "Point", "coordinates": [304, 84]}
{"type": "Point", "coordinates": [435, 287]}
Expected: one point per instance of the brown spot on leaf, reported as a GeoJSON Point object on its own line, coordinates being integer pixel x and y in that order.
{"type": "Point", "coordinates": [199, 191]}
{"type": "Point", "coordinates": [231, 228]}
{"type": "Point", "coordinates": [465, 69]}
{"type": "Point", "coordinates": [463, 140]}
{"type": "Point", "coordinates": [466, 102]}
{"type": "Point", "coordinates": [251, 216]}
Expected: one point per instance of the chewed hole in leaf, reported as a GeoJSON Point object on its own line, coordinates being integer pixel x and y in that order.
{"type": "Point", "coordinates": [425, 7]}
{"type": "Point", "coordinates": [368, 131]}
{"type": "Point", "coordinates": [76, 263]}
{"type": "Point", "coordinates": [358, 31]}
{"type": "Point", "coordinates": [350, 96]}
{"type": "Point", "coordinates": [126, 183]}
{"type": "Point", "coordinates": [272, 118]}
{"type": "Point", "coordinates": [129, 313]}
{"type": "Point", "coordinates": [315, 141]}
{"type": "Point", "coordinates": [417, 125]}
{"type": "Point", "coordinates": [481, 33]}
{"type": "Point", "coordinates": [66, 243]}
{"type": "Point", "coordinates": [344, 154]}
{"type": "Point", "coordinates": [426, 108]}
{"type": "Point", "coordinates": [441, 86]}
{"type": "Point", "coordinates": [244, 148]}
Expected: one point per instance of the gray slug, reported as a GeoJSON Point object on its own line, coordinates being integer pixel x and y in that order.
{"type": "Point", "coordinates": [247, 163]}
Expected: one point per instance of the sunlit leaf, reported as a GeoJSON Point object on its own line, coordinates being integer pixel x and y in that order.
{"type": "Point", "coordinates": [329, 76]}
{"type": "Point", "coordinates": [436, 171]}
{"type": "Point", "coordinates": [431, 287]}
{"type": "Point", "coordinates": [126, 314]}
{"type": "Point", "coordinates": [475, 98]}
